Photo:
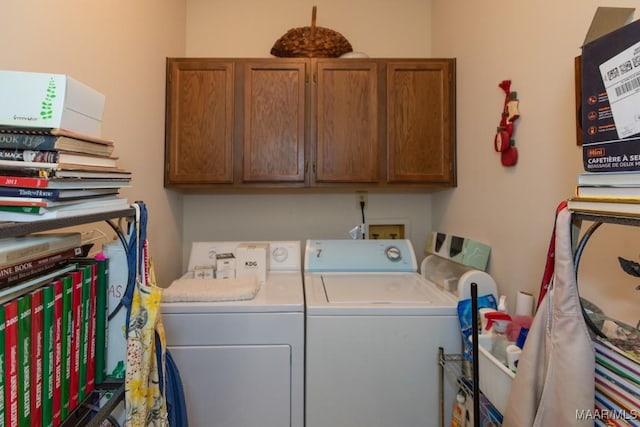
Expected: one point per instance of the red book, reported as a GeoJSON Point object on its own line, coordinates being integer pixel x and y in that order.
{"type": "Point", "coordinates": [2, 364]}
{"type": "Point", "coordinates": [76, 338]}
{"type": "Point", "coordinates": [11, 365]}
{"type": "Point", "coordinates": [57, 351]}
{"type": "Point", "coordinates": [29, 182]}
{"type": "Point", "coordinates": [24, 181]}
{"type": "Point", "coordinates": [37, 308]}
{"type": "Point", "coordinates": [91, 359]}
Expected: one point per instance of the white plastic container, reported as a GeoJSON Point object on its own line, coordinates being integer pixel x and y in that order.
{"type": "Point", "coordinates": [252, 259]}
{"type": "Point", "coordinates": [50, 101]}
{"type": "Point", "coordinates": [495, 379]}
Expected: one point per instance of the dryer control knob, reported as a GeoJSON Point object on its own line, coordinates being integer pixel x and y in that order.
{"type": "Point", "coordinates": [393, 253]}
{"type": "Point", "coordinates": [280, 254]}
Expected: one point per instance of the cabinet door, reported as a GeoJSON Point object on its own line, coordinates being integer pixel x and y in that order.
{"type": "Point", "coordinates": [347, 143]}
{"type": "Point", "coordinates": [420, 121]}
{"type": "Point", "coordinates": [274, 121]}
{"type": "Point", "coordinates": [199, 122]}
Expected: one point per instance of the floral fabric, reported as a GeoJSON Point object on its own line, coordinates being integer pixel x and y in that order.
{"type": "Point", "coordinates": [144, 401]}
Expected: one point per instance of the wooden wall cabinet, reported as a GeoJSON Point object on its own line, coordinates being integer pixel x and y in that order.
{"type": "Point", "coordinates": [345, 142]}
{"type": "Point", "coordinates": [421, 122]}
{"type": "Point", "coordinates": [199, 121]}
{"type": "Point", "coordinates": [237, 124]}
{"type": "Point", "coordinates": [274, 118]}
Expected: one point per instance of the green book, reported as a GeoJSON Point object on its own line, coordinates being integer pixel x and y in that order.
{"type": "Point", "coordinates": [102, 316]}
{"type": "Point", "coordinates": [48, 343]}
{"type": "Point", "coordinates": [24, 360]}
{"type": "Point", "coordinates": [22, 209]}
{"type": "Point", "coordinates": [2, 366]}
{"type": "Point", "coordinates": [87, 277]}
{"type": "Point", "coordinates": [67, 327]}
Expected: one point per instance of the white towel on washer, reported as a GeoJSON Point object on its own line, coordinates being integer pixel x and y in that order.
{"type": "Point", "coordinates": [188, 289]}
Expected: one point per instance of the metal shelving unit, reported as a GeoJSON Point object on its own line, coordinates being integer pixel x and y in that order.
{"type": "Point", "coordinates": [89, 412]}
{"type": "Point", "coordinates": [597, 221]}
{"type": "Point", "coordinates": [453, 366]}
{"type": "Point", "coordinates": [12, 229]}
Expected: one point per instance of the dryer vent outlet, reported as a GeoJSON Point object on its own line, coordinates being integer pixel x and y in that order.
{"type": "Point", "coordinates": [386, 231]}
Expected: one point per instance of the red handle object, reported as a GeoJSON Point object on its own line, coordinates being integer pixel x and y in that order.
{"type": "Point", "coordinates": [503, 142]}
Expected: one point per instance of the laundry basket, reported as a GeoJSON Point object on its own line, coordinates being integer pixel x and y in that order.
{"type": "Point", "coordinates": [311, 42]}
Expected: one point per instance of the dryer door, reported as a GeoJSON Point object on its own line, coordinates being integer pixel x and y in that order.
{"type": "Point", "coordinates": [237, 385]}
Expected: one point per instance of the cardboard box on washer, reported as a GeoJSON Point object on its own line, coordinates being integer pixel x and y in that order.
{"type": "Point", "coordinates": [610, 92]}
{"type": "Point", "coordinates": [225, 266]}
{"type": "Point", "coordinates": [252, 259]}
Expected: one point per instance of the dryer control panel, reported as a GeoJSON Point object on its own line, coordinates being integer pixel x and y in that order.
{"type": "Point", "coordinates": [375, 255]}
{"type": "Point", "coordinates": [283, 255]}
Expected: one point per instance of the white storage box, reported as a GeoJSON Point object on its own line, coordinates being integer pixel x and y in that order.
{"type": "Point", "coordinates": [252, 260]}
{"type": "Point", "coordinates": [50, 101]}
{"type": "Point", "coordinates": [495, 379]}
{"type": "Point", "coordinates": [116, 328]}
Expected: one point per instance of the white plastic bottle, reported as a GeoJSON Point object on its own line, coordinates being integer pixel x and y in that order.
{"type": "Point", "coordinates": [500, 324]}
{"type": "Point", "coordinates": [459, 409]}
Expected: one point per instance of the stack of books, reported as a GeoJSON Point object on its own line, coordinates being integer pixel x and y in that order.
{"type": "Point", "coordinates": [40, 180]}
{"type": "Point", "coordinates": [53, 160]}
{"type": "Point", "coordinates": [53, 312]}
{"type": "Point", "coordinates": [617, 382]}
{"type": "Point", "coordinates": [607, 193]}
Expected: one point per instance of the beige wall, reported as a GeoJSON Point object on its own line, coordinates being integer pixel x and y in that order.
{"type": "Point", "coordinates": [248, 28]}
{"type": "Point", "coordinates": [512, 209]}
{"type": "Point", "coordinates": [118, 47]}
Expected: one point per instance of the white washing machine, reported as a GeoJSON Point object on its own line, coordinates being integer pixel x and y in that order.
{"type": "Point", "coordinates": [374, 326]}
{"type": "Point", "coordinates": [242, 362]}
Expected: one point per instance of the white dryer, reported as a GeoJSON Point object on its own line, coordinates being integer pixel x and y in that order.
{"type": "Point", "coordinates": [242, 362]}
{"type": "Point", "coordinates": [373, 329]}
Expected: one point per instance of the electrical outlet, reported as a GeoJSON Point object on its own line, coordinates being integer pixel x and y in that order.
{"type": "Point", "coordinates": [361, 196]}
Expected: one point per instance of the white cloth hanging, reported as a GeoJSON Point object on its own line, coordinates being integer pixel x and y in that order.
{"type": "Point", "coordinates": [554, 385]}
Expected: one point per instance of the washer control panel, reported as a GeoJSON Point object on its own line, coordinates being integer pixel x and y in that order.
{"type": "Point", "coordinates": [393, 253]}
{"type": "Point", "coordinates": [375, 255]}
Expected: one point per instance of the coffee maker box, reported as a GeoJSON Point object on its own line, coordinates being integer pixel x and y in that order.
{"type": "Point", "coordinates": [610, 92]}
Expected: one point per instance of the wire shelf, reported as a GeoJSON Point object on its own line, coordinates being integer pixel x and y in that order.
{"type": "Point", "coordinates": [457, 370]}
